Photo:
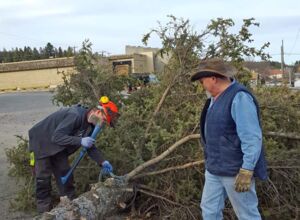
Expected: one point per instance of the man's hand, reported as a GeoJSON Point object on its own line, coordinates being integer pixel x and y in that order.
{"type": "Point", "coordinates": [87, 142]}
{"type": "Point", "coordinates": [107, 167]}
{"type": "Point", "coordinates": [243, 180]}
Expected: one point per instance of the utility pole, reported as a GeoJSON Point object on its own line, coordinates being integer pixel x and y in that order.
{"type": "Point", "coordinates": [282, 59]}
{"type": "Point", "coordinates": [283, 66]}
{"type": "Point", "coordinates": [74, 50]}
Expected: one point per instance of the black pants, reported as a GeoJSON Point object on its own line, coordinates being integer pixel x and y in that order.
{"type": "Point", "coordinates": [44, 168]}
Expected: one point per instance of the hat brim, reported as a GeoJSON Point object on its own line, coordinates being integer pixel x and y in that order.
{"type": "Point", "coordinates": [201, 74]}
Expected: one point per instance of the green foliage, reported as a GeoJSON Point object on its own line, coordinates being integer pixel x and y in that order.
{"type": "Point", "coordinates": [280, 104]}
{"type": "Point", "coordinates": [280, 113]}
{"type": "Point", "coordinates": [234, 46]}
{"type": "Point", "coordinates": [18, 157]}
{"type": "Point", "coordinates": [275, 64]}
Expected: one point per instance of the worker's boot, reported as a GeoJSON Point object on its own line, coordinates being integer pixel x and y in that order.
{"type": "Point", "coordinates": [43, 194]}
{"type": "Point", "coordinates": [42, 207]}
{"type": "Point", "coordinates": [68, 189]}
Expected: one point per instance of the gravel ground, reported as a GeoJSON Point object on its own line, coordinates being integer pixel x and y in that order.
{"type": "Point", "coordinates": [18, 113]}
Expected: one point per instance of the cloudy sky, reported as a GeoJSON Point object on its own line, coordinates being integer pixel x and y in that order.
{"type": "Point", "coordinates": [110, 25]}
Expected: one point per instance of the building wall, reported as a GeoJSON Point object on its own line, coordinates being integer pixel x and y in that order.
{"type": "Point", "coordinates": [37, 64]}
{"type": "Point", "coordinates": [160, 62]}
{"type": "Point", "coordinates": [139, 64]}
{"type": "Point", "coordinates": [154, 62]}
{"type": "Point", "coordinates": [34, 74]}
{"type": "Point", "coordinates": [31, 79]}
{"type": "Point", "coordinates": [138, 49]}
{"type": "Point", "coordinates": [149, 62]}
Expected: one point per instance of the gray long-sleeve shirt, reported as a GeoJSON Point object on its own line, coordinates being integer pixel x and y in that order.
{"type": "Point", "coordinates": [60, 131]}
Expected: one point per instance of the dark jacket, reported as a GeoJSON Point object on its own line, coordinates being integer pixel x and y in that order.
{"type": "Point", "coordinates": [222, 146]}
{"type": "Point", "coordinates": [60, 131]}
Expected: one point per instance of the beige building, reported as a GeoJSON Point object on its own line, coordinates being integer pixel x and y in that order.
{"type": "Point", "coordinates": [138, 60]}
{"type": "Point", "coordinates": [34, 74]}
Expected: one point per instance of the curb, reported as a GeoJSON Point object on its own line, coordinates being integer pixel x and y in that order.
{"type": "Point", "coordinates": [28, 89]}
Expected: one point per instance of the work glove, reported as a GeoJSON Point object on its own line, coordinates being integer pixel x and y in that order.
{"type": "Point", "coordinates": [87, 142]}
{"type": "Point", "coordinates": [106, 167]}
{"type": "Point", "coordinates": [243, 180]}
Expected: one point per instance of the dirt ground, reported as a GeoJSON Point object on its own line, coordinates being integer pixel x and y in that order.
{"type": "Point", "coordinates": [18, 112]}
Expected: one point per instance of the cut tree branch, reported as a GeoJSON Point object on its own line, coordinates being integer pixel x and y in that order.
{"type": "Point", "coordinates": [161, 156]}
{"type": "Point", "coordinates": [187, 165]}
{"type": "Point", "coordinates": [282, 135]}
{"type": "Point", "coordinates": [159, 197]}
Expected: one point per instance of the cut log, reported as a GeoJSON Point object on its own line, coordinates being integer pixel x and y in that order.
{"type": "Point", "coordinates": [102, 201]}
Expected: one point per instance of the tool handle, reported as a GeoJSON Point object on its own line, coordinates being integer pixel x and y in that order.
{"type": "Point", "coordinates": [65, 178]}
{"type": "Point", "coordinates": [82, 153]}
{"type": "Point", "coordinates": [96, 131]}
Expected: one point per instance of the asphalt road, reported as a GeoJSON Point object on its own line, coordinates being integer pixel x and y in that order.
{"type": "Point", "coordinates": [18, 113]}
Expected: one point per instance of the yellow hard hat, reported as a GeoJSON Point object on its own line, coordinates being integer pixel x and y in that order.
{"type": "Point", "coordinates": [104, 99]}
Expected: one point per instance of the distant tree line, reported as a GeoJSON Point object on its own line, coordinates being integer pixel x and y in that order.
{"type": "Point", "coordinates": [275, 64]}
{"type": "Point", "coordinates": [28, 53]}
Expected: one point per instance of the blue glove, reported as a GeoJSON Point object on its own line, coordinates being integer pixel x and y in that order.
{"type": "Point", "coordinates": [107, 167]}
{"type": "Point", "coordinates": [87, 142]}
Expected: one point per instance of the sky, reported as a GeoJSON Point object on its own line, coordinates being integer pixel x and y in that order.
{"type": "Point", "coordinates": [111, 25]}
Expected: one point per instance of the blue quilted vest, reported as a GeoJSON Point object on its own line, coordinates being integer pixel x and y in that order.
{"type": "Point", "coordinates": [222, 146]}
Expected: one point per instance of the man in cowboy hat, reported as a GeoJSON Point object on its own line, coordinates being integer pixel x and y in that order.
{"type": "Point", "coordinates": [232, 139]}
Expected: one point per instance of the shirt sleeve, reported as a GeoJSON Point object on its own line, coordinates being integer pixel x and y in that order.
{"type": "Point", "coordinates": [63, 134]}
{"type": "Point", "coordinates": [244, 113]}
{"type": "Point", "coordinates": [96, 155]}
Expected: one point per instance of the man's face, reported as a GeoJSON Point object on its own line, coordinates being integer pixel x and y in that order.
{"type": "Point", "coordinates": [208, 83]}
{"type": "Point", "coordinates": [95, 117]}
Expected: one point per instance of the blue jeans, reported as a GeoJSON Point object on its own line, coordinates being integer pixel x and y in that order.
{"type": "Point", "coordinates": [217, 188]}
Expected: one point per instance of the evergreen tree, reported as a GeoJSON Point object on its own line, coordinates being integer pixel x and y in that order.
{"type": "Point", "coordinates": [35, 54]}
{"type": "Point", "coordinates": [21, 54]}
{"type": "Point", "coordinates": [9, 56]}
{"type": "Point", "coordinates": [16, 56]}
{"type": "Point", "coordinates": [60, 52]}
{"type": "Point", "coordinates": [27, 53]}
{"type": "Point", "coordinates": [1, 56]}
{"type": "Point", "coordinates": [4, 56]}
{"type": "Point", "coordinates": [69, 52]}
{"type": "Point", "coordinates": [49, 50]}
{"type": "Point", "coordinates": [42, 53]}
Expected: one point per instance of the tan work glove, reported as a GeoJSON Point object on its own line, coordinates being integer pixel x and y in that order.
{"type": "Point", "coordinates": [243, 180]}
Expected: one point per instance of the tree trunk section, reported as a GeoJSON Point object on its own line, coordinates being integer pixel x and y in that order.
{"type": "Point", "coordinates": [101, 202]}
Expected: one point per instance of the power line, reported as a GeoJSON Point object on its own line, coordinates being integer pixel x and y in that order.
{"type": "Point", "coordinates": [278, 54]}
{"type": "Point", "coordinates": [295, 42]}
